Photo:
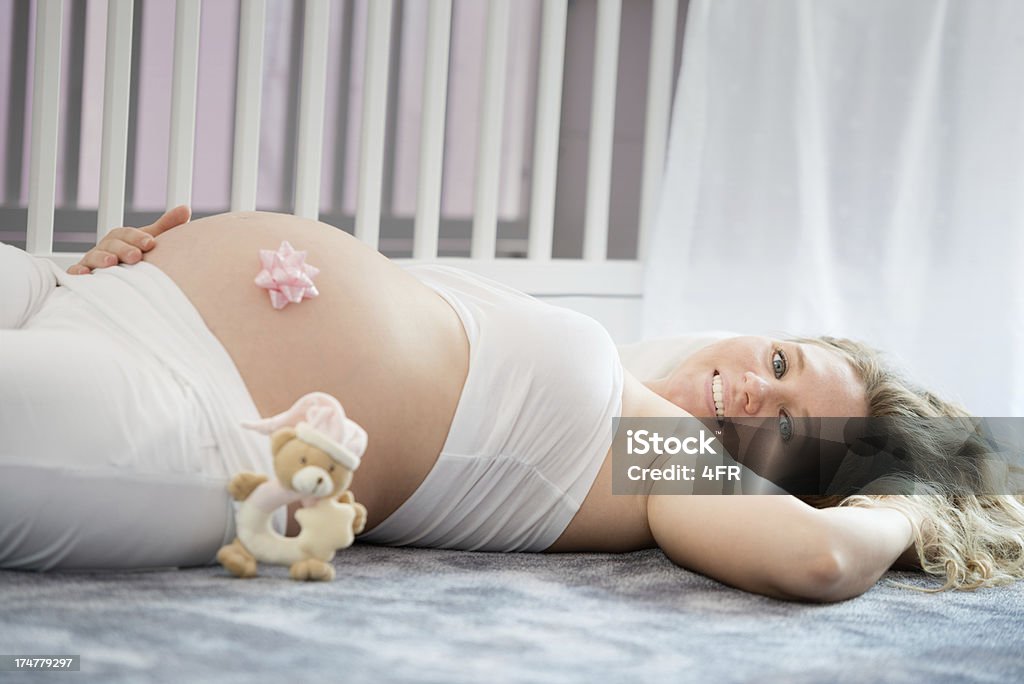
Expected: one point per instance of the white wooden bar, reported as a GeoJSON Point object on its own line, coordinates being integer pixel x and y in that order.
{"type": "Point", "coordinates": [248, 100]}
{"type": "Point", "coordinates": [42, 175]}
{"type": "Point", "coordinates": [602, 128]}
{"type": "Point", "coordinates": [659, 105]}
{"type": "Point", "coordinates": [549, 115]}
{"type": "Point", "coordinates": [375, 101]}
{"type": "Point", "coordinates": [435, 97]}
{"type": "Point", "coordinates": [116, 84]}
{"type": "Point", "coordinates": [183, 103]}
{"type": "Point", "coordinates": [309, 149]}
{"type": "Point", "coordinates": [492, 114]}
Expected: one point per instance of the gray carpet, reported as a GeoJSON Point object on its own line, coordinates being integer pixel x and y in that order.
{"type": "Point", "coordinates": [417, 615]}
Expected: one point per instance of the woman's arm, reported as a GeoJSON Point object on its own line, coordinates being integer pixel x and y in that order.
{"type": "Point", "coordinates": [126, 245]}
{"type": "Point", "coordinates": [771, 544]}
{"type": "Point", "coordinates": [779, 546]}
{"type": "Point", "coordinates": [870, 541]}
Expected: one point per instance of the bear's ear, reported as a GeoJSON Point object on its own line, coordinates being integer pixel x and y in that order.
{"type": "Point", "coordinates": [281, 437]}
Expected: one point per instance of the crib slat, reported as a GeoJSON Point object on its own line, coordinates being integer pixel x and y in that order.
{"type": "Point", "coordinates": [374, 117]}
{"type": "Point", "coordinates": [42, 176]}
{"type": "Point", "coordinates": [435, 96]}
{"type": "Point", "coordinates": [309, 150]}
{"type": "Point", "coordinates": [549, 113]}
{"type": "Point", "coordinates": [183, 102]}
{"type": "Point", "coordinates": [116, 83]}
{"type": "Point", "coordinates": [659, 105]}
{"type": "Point", "coordinates": [602, 128]}
{"type": "Point", "coordinates": [492, 114]}
{"type": "Point", "coordinates": [248, 99]}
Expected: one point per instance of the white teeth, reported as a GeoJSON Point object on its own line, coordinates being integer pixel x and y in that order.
{"type": "Point", "coordinates": [716, 392]}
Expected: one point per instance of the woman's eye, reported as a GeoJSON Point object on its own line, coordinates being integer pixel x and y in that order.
{"type": "Point", "coordinates": [779, 363]}
{"type": "Point", "coordinates": [785, 426]}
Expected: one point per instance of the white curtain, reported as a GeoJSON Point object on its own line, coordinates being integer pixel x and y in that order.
{"type": "Point", "coordinates": [855, 168]}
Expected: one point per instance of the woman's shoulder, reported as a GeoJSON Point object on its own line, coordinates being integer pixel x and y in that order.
{"type": "Point", "coordinates": [640, 401]}
{"type": "Point", "coordinates": [655, 357]}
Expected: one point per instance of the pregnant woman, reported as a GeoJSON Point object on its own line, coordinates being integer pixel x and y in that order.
{"type": "Point", "coordinates": [489, 415]}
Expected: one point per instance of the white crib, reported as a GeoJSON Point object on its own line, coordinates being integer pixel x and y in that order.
{"type": "Point", "coordinates": [608, 289]}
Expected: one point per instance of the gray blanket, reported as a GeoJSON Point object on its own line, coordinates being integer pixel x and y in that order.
{"type": "Point", "coordinates": [418, 615]}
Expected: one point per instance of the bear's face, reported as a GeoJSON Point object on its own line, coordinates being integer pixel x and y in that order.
{"type": "Point", "coordinates": [305, 468]}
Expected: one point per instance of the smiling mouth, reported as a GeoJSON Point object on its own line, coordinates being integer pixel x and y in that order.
{"type": "Point", "coordinates": [718, 395]}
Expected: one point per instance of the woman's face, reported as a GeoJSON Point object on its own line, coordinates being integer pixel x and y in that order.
{"type": "Point", "coordinates": [760, 377]}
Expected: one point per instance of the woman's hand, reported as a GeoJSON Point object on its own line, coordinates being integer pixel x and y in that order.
{"type": "Point", "coordinates": [126, 245]}
{"type": "Point", "coordinates": [909, 560]}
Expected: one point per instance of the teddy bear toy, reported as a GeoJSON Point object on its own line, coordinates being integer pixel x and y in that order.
{"type": "Point", "coordinates": [316, 450]}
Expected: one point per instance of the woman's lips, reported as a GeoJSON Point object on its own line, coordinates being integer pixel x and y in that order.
{"type": "Point", "coordinates": [709, 391]}
{"type": "Point", "coordinates": [710, 396]}
{"type": "Point", "coordinates": [725, 395]}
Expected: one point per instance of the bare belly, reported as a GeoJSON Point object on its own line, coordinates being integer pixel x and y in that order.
{"type": "Point", "coordinates": [388, 347]}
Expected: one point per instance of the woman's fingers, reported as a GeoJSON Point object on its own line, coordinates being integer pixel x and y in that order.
{"type": "Point", "coordinates": [94, 258]}
{"type": "Point", "coordinates": [131, 236]}
{"type": "Point", "coordinates": [171, 218]}
{"type": "Point", "coordinates": [126, 245]}
{"type": "Point", "coordinates": [121, 245]}
{"type": "Point", "coordinates": [126, 251]}
{"type": "Point", "coordinates": [111, 252]}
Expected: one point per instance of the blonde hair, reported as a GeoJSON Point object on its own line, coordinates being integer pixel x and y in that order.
{"type": "Point", "coordinates": [971, 540]}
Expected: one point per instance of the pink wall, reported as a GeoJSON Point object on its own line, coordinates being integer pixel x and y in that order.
{"type": "Point", "coordinates": [218, 47]}
{"type": "Point", "coordinates": [154, 105]}
{"type": "Point", "coordinates": [92, 104]}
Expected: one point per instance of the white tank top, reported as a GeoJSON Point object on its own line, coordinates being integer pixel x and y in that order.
{"type": "Point", "coordinates": [532, 427]}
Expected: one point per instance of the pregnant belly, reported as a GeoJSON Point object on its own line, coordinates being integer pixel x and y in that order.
{"type": "Point", "coordinates": [389, 348]}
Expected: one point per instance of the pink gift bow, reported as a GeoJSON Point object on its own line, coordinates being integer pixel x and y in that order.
{"type": "Point", "coordinates": [286, 275]}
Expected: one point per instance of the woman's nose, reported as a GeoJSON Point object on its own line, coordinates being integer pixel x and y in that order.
{"type": "Point", "coordinates": [757, 391]}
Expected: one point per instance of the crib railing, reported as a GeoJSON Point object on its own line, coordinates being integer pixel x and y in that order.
{"type": "Point", "coordinates": [539, 273]}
